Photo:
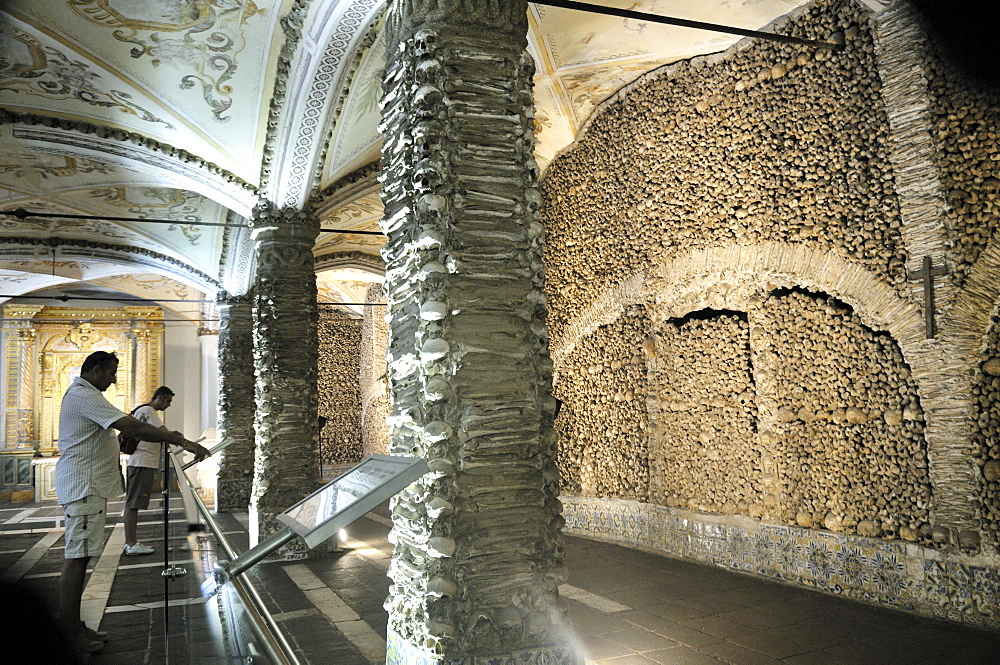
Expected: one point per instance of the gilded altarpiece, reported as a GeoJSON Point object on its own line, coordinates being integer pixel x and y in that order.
{"type": "Point", "coordinates": [44, 348]}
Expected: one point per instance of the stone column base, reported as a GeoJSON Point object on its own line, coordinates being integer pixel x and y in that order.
{"type": "Point", "coordinates": [232, 495]}
{"type": "Point", "coordinates": [400, 652]}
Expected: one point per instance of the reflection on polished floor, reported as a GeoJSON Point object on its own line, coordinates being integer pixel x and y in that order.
{"type": "Point", "coordinates": [626, 607]}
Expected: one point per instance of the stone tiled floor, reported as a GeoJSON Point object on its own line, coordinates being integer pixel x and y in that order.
{"type": "Point", "coordinates": [626, 607]}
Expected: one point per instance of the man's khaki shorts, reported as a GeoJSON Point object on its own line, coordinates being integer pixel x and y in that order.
{"type": "Point", "coordinates": [85, 521]}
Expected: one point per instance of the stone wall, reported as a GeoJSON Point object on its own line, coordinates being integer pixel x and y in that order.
{"type": "Point", "coordinates": [602, 420]}
{"type": "Point", "coordinates": [339, 392]}
{"type": "Point", "coordinates": [965, 122]}
{"type": "Point", "coordinates": [770, 141]}
{"type": "Point", "coordinates": [738, 318]}
{"type": "Point", "coordinates": [965, 119]}
{"type": "Point", "coordinates": [986, 430]}
{"type": "Point", "coordinates": [703, 404]}
{"type": "Point", "coordinates": [840, 419]}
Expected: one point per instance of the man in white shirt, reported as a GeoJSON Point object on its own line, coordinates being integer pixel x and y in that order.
{"type": "Point", "coordinates": [142, 465]}
{"type": "Point", "coordinates": [88, 474]}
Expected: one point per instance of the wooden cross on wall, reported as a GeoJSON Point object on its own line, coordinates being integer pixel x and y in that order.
{"type": "Point", "coordinates": [926, 274]}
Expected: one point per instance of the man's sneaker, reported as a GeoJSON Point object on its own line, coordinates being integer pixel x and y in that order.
{"type": "Point", "coordinates": [138, 550]}
{"type": "Point", "coordinates": [98, 635]}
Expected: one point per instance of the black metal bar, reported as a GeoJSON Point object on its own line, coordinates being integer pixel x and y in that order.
{"type": "Point", "coordinates": [685, 23]}
{"type": "Point", "coordinates": [360, 233]}
{"type": "Point", "coordinates": [21, 213]}
{"type": "Point", "coordinates": [64, 298]}
{"type": "Point", "coordinates": [166, 551]}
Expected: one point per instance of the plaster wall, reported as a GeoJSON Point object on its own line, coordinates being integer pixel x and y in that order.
{"type": "Point", "coordinates": [182, 373]}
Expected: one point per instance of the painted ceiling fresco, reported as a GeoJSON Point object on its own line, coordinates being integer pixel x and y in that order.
{"type": "Point", "coordinates": [360, 214]}
{"type": "Point", "coordinates": [345, 285]}
{"type": "Point", "coordinates": [188, 74]}
{"type": "Point", "coordinates": [581, 59]}
{"type": "Point", "coordinates": [159, 112]}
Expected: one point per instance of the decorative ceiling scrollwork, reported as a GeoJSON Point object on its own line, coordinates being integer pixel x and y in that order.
{"type": "Point", "coordinates": [190, 114]}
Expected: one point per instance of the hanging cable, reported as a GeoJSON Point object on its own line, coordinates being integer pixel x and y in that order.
{"type": "Point", "coordinates": [685, 23]}
{"type": "Point", "coordinates": [64, 298]}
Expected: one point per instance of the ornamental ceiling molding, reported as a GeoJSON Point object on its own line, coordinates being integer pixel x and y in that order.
{"type": "Point", "coordinates": [358, 260]}
{"type": "Point", "coordinates": [307, 98]}
{"type": "Point", "coordinates": [84, 141]}
{"type": "Point", "coordinates": [48, 227]}
{"type": "Point", "coordinates": [357, 183]}
{"type": "Point", "coordinates": [34, 162]}
{"type": "Point", "coordinates": [181, 205]}
{"type": "Point", "coordinates": [291, 25]}
{"type": "Point", "coordinates": [236, 262]}
{"type": "Point", "coordinates": [129, 257]}
{"type": "Point", "coordinates": [154, 286]}
{"type": "Point", "coordinates": [360, 52]}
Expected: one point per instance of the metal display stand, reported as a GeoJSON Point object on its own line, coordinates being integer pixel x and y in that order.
{"type": "Point", "coordinates": [315, 519]}
{"type": "Point", "coordinates": [318, 517]}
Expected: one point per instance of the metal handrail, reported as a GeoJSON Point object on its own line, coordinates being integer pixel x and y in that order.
{"type": "Point", "coordinates": [276, 645]}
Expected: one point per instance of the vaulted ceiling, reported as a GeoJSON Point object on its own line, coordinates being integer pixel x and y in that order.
{"type": "Point", "coordinates": [187, 112]}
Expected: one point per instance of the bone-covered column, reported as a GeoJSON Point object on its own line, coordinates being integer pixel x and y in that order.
{"type": "Point", "coordinates": [236, 404]}
{"type": "Point", "coordinates": [478, 545]}
{"type": "Point", "coordinates": [285, 343]}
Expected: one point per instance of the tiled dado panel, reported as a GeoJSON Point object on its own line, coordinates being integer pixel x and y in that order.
{"type": "Point", "coordinates": [890, 573]}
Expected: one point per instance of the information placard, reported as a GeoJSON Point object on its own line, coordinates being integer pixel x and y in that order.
{"type": "Point", "coordinates": [320, 515]}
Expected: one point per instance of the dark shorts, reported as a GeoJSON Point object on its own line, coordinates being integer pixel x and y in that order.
{"type": "Point", "coordinates": [139, 487]}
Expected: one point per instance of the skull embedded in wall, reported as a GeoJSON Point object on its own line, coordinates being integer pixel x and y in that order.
{"type": "Point", "coordinates": [424, 42]}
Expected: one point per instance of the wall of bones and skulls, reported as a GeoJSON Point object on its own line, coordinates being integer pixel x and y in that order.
{"type": "Point", "coordinates": [340, 440]}
{"type": "Point", "coordinates": [748, 370]}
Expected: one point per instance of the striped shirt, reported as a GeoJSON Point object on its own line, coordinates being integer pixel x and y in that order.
{"type": "Point", "coordinates": [88, 449]}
